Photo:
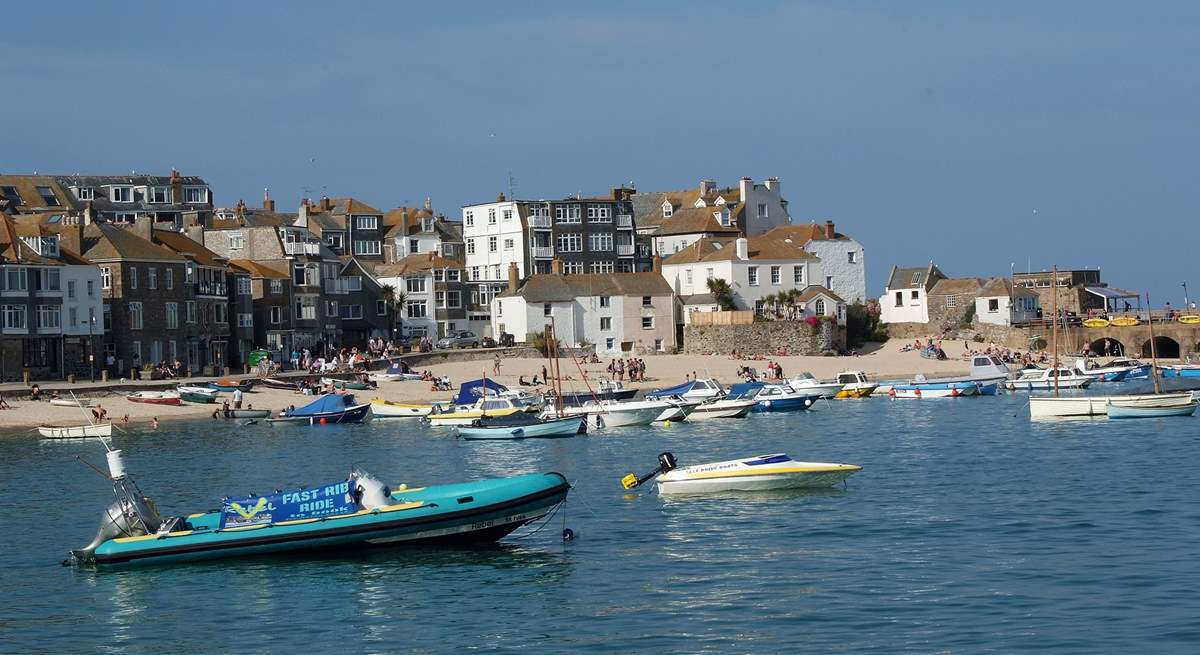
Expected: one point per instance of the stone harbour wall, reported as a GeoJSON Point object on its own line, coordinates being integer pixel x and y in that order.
{"type": "Point", "coordinates": [764, 338]}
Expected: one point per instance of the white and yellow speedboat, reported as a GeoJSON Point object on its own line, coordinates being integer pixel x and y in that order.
{"type": "Point", "coordinates": [854, 385]}
{"type": "Point", "coordinates": [393, 409]}
{"type": "Point", "coordinates": [760, 473]}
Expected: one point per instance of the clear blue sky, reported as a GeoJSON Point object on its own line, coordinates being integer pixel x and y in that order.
{"type": "Point", "coordinates": [973, 134]}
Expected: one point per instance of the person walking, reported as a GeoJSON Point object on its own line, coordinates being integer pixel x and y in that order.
{"type": "Point", "coordinates": [496, 366]}
{"type": "Point", "coordinates": [237, 398]}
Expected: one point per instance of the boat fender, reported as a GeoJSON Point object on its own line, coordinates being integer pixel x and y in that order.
{"type": "Point", "coordinates": [916, 392]}
{"type": "Point", "coordinates": [599, 421]}
{"type": "Point", "coordinates": [568, 534]}
{"type": "Point", "coordinates": [892, 393]}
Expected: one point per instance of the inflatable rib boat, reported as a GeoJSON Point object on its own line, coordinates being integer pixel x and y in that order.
{"type": "Point", "coordinates": [353, 513]}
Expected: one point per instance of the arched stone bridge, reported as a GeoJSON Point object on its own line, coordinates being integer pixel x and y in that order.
{"type": "Point", "coordinates": [1172, 339]}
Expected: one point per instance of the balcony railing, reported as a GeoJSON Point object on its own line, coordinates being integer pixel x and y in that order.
{"type": "Point", "coordinates": [337, 285]}
{"type": "Point", "coordinates": [624, 221]}
{"type": "Point", "coordinates": [210, 289]}
{"type": "Point", "coordinates": [302, 248]}
{"type": "Point", "coordinates": [540, 222]}
{"type": "Point", "coordinates": [624, 250]}
{"type": "Point", "coordinates": [543, 252]}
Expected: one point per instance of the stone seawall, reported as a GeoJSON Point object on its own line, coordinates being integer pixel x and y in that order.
{"type": "Point", "coordinates": [764, 338]}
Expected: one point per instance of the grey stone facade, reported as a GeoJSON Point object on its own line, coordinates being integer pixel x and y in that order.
{"type": "Point", "coordinates": [764, 338]}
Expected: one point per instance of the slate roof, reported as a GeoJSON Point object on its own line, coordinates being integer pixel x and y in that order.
{"type": "Point", "coordinates": [1001, 286]}
{"type": "Point", "coordinates": [693, 220]}
{"type": "Point", "coordinates": [902, 277]}
{"type": "Point", "coordinates": [698, 299]}
{"type": "Point", "coordinates": [185, 246]}
{"type": "Point", "coordinates": [416, 263]}
{"type": "Point", "coordinates": [549, 287]}
{"type": "Point", "coordinates": [13, 249]}
{"type": "Point", "coordinates": [61, 184]}
{"type": "Point", "coordinates": [28, 199]}
{"type": "Point", "coordinates": [102, 241]}
{"type": "Point", "coordinates": [256, 269]}
{"type": "Point", "coordinates": [956, 286]}
{"type": "Point", "coordinates": [762, 247]}
{"type": "Point", "coordinates": [346, 206]}
{"type": "Point", "coordinates": [813, 290]}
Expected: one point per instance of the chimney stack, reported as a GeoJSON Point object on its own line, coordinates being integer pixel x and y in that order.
{"type": "Point", "coordinates": [707, 187]}
{"type": "Point", "coordinates": [500, 197]}
{"type": "Point", "coordinates": [326, 203]}
{"type": "Point", "coordinates": [428, 205]}
{"type": "Point", "coordinates": [556, 266]}
{"type": "Point", "coordinates": [829, 232]}
{"type": "Point", "coordinates": [71, 238]}
{"type": "Point", "coordinates": [89, 213]}
{"type": "Point", "coordinates": [743, 249]}
{"type": "Point", "coordinates": [176, 187]}
{"type": "Point", "coordinates": [514, 278]}
{"type": "Point", "coordinates": [143, 226]}
{"type": "Point", "coordinates": [302, 219]}
{"type": "Point", "coordinates": [745, 186]}
{"type": "Point", "coordinates": [658, 263]}
{"type": "Point", "coordinates": [240, 209]}
{"type": "Point", "coordinates": [268, 203]}
{"type": "Point", "coordinates": [773, 184]}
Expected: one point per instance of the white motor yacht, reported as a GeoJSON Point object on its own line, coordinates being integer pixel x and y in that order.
{"type": "Point", "coordinates": [1043, 379]}
{"type": "Point", "coordinates": [616, 413]}
{"type": "Point", "coordinates": [806, 383]}
{"type": "Point", "coordinates": [764, 472]}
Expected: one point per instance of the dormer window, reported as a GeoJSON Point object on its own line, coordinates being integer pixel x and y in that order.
{"type": "Point", "coordinates": [159, 195]}
{"type": "Point", "coordinates": [722, 217]}
{"type": "Point", "coordinates": [366, 222]}
{"type": "Point", "coordinates": [700, 203]}
{"type": "Point", "coordinates": [427, 224]}
{"type": "Point", "coordinates": [85, 193]}
{"type": "Point", "coordinates": [45, 246]}
{"type": "Point", "coordinates": [720, 201]}
{"type": "Point", "coordinates": [668, 209]}
{"type": "Point", "coordinates": [194, 195]}
{"type": "Point", "coordinates": [121, 194]}
{"type": "Point", "coordinates": [12, 194]}
{"type": "Point", "coordinates": [48, 196]}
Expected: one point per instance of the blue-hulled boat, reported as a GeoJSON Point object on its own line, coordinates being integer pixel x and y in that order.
{"type": "Point", "coordinates": [347, 514]}
{"type": "Point", "coordinates": [783, 398]}
{"type": "Point", "coordinates": [921, 389]}
{"type": "Point", "coordinates": [1181, 371]}
{"type": "Point", "coordinates": [523, 426]}
{"type": "Point", "coordinates": [330, 408]}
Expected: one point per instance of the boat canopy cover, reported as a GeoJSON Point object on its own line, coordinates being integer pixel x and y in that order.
{"type": "Point", "coordinates": [330, 402]}
{"type": "Point", "coordinates": [767, 459]}
{"type": "Point", "coordinates": [677, 390]}
{"type": "Point", "coordinates": [471, 391]}
{"type": "Point", "coordinates": [745, 389]}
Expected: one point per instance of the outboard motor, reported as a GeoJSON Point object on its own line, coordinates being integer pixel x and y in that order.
{"type": "Point", "coordinates": [666, 462]}
{"type": "Point", "coordinates": [368, 492]}
{"type": "Point", "coordinates": [130, 515]}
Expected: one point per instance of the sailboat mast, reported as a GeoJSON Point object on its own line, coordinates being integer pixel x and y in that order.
{"type": "Point", "coordinates": [1153, 347]}
{"type": "Point", "coordinates": [1054, 329]}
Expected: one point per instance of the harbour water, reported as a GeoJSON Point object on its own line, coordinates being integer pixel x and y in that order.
{"type": "Point", "coordinates": [969, 530]}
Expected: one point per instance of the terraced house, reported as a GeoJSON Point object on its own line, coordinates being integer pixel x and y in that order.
{"type": "Point", "coordinates": [587, 235]}
{"type": "Point", "coordinates": [50, 303]}
{"type": "Point", "coordinates": [673, 220]}
{"type": "Point", "coordinates": [164, 199]}
{"type": "Point", "coordinates": [431, 292]}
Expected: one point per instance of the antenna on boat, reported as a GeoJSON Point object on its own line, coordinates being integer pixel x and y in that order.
{"type": "Point", "coordinates": [1153, 348]}
{"type": "Point", "coordinates": [1054, 329]}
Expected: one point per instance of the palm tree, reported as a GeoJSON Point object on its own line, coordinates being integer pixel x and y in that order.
{"type": "Point", "coordinates": [393, 302]}
{"type": "Point", "coordinates": [722, 293]}
{"type": "Point", "coordinates": [770, 304]}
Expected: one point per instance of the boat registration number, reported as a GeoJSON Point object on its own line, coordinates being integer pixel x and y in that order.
{"type": "Point", "coordinates": [483, 525]}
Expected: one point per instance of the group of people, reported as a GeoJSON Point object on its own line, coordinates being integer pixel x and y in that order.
{"type": "Point", "coordinates": [635, 367]}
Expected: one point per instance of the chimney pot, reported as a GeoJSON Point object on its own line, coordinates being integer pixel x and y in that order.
{"type": "Point", "coordinates": [829, 231]}
{"type": "Point", "coordinates": [500, 197]}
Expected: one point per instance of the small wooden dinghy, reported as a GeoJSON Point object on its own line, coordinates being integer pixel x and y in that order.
{"type": "Point", "coordinates": [155, 397]}
{"type": "Point", "coordinates": [68, 402]}
{"type": "Point", "coordinates": [1119, 409]}
{"type": "Point", "coordinates": [76, 431]}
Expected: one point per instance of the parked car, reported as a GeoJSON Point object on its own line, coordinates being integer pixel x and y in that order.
{"type": "Point", "coordinates": [461, 339]}
{"type": "Point", "coordinates": [489, 342]}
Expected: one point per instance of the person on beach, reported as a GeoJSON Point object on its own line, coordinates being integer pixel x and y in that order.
{"type": "Point", "coordinates": [154, 423]}
{"type": "Point", "coordinates": [545, 378]}
{"type": "Point", "coordinates": [496, 366]}
{"type": "Point", "coordinates": [125, 420]}
{"type": "Point", "coordinates": [99, 413]}
{"type": "Point", "coordinates": [4, 404]}
{"type": "Point", "coordinates": [237, 398]}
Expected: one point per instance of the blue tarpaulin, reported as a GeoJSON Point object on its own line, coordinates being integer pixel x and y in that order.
{"type": "Point", "coordinates": [745, 389]}
{"type": "Point", "coordinates": [471, 391]}
{"type": "Point", "coordinates": [330, 402]}
{"type": "Point", "coordinates": [678, 390]}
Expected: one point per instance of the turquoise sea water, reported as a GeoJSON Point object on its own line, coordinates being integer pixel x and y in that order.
{"type": "Point", "coordinates": [970, 530]}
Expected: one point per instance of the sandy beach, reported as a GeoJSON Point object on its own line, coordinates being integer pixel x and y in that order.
{"type": "Point", "coordinates": [882, 362]}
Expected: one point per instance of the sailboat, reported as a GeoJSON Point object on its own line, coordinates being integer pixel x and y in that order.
{"type": "Point", "coordinates": [1057, 407]}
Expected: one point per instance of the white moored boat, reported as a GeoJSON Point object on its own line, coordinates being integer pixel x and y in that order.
{"type": "Point", "coordinates": [76, 431]}
{"type": "Point", "coordinates": [805, 382]}
{"type": "Point", "coordinates": [616, 413]}
{"type": "Point", "coordinates": [1065, 407]}
{"type": "Point", "coordinates": [761, 473]}
{"type": "Point", "coordinates": [678, 411]}
{"type": "Point", "coordinates": [1042, 379]}
{"type": "Point", "coordinates": [70, 402]}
